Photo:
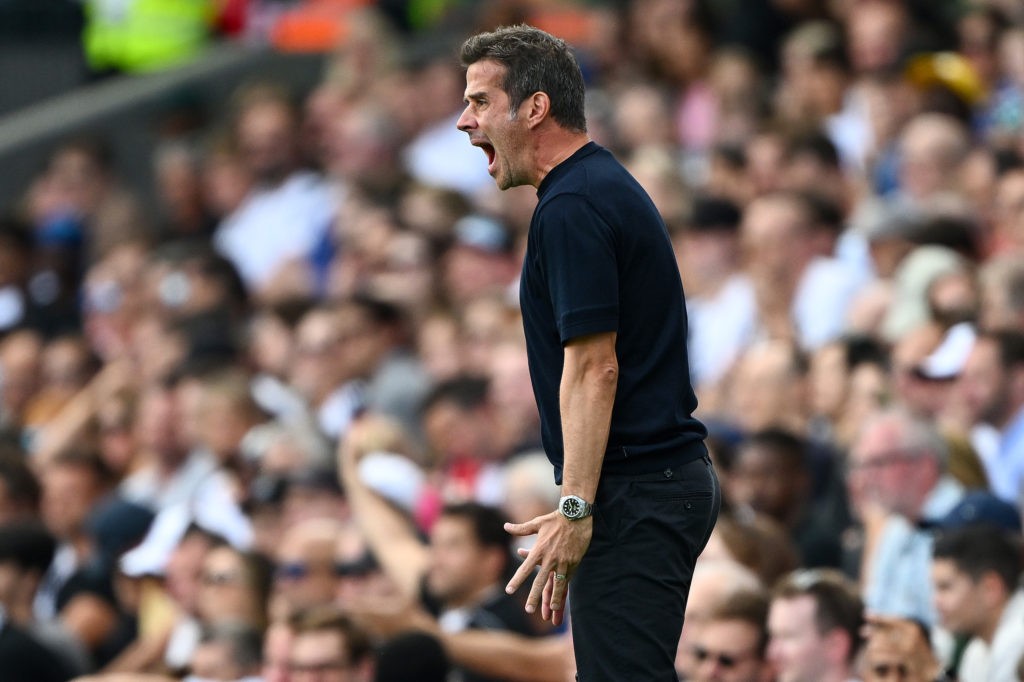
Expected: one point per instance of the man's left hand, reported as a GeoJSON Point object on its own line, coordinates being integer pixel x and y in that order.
{"type": "Point", "coordinates": [560, 547]}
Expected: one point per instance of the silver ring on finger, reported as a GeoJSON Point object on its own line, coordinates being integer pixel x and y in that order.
{"type": "Point", "coordinates": [559, 576]}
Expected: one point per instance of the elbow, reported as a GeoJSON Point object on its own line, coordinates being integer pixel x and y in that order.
{"type": "Point", "coordinates": [603, 374]}
{"type": "Point", "coordinates": [607, 373]}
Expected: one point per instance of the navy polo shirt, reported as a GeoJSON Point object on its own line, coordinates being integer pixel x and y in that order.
{"type": "Point", "coordinates": [599, 259]}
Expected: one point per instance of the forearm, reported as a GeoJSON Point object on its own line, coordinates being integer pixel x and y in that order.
{"type": "Point", "coordinates": [508, 656]}
{"type": "Point", "coordinates": [74, 418]}
{"type": "Point", "coordinates": [66, 427]}
{"type": "Point", "coordinates": [141, 655]}
{"type": "Point", "coordinates": [587, 394]}
{"type": "Point", "coordinates": [387, 532]}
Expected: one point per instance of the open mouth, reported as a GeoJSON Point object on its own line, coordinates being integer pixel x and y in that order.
{"type": "Point", "coordinates": [491, 155]}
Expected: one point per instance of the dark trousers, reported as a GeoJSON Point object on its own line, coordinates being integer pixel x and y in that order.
{"type": "Point", "coordinates": [629, 593]}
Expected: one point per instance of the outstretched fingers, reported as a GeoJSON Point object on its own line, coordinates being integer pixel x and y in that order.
{"type": "Point", "coordinates": [525, 568]}
{"type": "Point", "coordinates": [545, 605]}
{"type": "Point", "coordinates": [537, 592]}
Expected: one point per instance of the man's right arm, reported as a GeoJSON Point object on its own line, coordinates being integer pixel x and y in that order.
{"type": "Point", "coordinates": [389, 534]}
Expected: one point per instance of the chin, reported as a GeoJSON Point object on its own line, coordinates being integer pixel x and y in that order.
{"type": "Point", "coordinates": [440, 593]}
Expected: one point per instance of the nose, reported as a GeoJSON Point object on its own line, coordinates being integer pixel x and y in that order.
{"type": "Point", "coordinates": [466, 121]}
{"type": "Point", "coordinates": [706, 670]}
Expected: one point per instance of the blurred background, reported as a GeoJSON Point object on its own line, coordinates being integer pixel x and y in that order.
{"type": "Point", "coordinates": [264, 397]}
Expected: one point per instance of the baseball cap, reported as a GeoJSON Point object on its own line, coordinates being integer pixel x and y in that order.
{"type": "Point", "coordinates": [947, 361]}
{"type": "Point", "coordinates": [983, 508]}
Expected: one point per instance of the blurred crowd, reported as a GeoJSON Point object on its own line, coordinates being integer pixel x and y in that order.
{"type": "Point", "coordinates": [270, 426]}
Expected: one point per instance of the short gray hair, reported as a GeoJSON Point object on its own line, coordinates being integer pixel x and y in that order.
{"type": "Point", "coordinates": [918, 436]}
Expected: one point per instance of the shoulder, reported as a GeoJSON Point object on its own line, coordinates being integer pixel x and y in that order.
{"type": "Point", "coordinates": [974, 664]}
{"type": "Point", "coordinates": [596, 174]}
{"type": "Point", "coordinates": [24, 658]}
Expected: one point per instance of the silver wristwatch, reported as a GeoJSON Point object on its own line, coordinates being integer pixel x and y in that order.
{"type": "Point", "coordinates": [574, 508]}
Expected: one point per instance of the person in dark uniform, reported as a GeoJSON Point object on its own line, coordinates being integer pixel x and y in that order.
{"type": "Point", "coordinates": [605, 324]}
{"type": "Point", "coordinates": [24, 659]}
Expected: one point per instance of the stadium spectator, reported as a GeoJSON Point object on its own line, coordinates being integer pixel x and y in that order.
{"type": "Point", "coordinates": [790, 288]}
{"type": "Point", "coordinates": [26, 550]}
{"type": "Point", "coordinates": [992, 387]}
{"type": "Point", "coordinates": [327, 645]}
{"type": "Point", "coordinates": [897, 482]}
{"type": "Point", "coordinates": [305, 574]}
{"type": "Point", "coordinates": [458, 575]}
{"type": "Point", "coordinates": [898, 648]}
{"type": "Point", "coordinates": [814, 623]}
{"type": "Point", "coordinates": [771, 474]}
{"type": "Point", "coordinates": [976, 571]}
{"type": "Point", "coordinates": [226, 651]}
{"type": "Point", "coordinates": [732, 644]}
{"type": "Point", "coordinates": [714, 581]}
{"type": "Point", "coordinates": [266, 134]}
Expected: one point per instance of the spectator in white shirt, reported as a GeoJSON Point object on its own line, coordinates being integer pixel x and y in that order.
{"type": "Point", "coordinates": [976, 570]}
{"type": "Point", "coordinates": [288, 210]}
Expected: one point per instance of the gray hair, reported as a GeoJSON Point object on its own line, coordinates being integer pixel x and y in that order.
{"type": "Point", "coordinates": [918, 436]}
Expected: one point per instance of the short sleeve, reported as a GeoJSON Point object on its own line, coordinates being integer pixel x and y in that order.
{"type": "Point", "coordinates": [578, 256]}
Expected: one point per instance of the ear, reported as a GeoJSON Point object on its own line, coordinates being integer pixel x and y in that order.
{"type": "Point", "coordinates": [837, 645]}
{"type": "Point", "coordinates": [1017, 383]}
{"type": "Point", "coordinates": [495, 562]}
{"type": "Point", "coordinates": [992, 587]}
{"type": "Point", "coordinates": [538, 106]}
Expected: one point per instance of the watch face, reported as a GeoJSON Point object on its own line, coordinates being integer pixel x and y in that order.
{"type": "Point", "coordinates": [571, 507]}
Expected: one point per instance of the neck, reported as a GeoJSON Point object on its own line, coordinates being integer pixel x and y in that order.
{"type": "Point", "coordinates": [552, 146]}
{"type": "Point", "coordinates": [841, 673]}
{"type": "Point", "coordinates": [988, 630]}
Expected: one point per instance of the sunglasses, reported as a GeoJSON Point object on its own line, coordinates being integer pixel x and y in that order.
{"type": "Point", "coordinates": [292, 571]}
{"type": "Point", "coordinates": [344, 569]}
{"type": "Point", "coordinates": [725, 660]}
{"type": "Point", "coordinates": [354, 569]}
{"type": "Point", "coordinates": [215, 578]}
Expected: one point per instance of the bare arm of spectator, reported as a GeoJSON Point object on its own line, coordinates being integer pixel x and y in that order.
{"type": "Point", "coordinates": [873, 519]}
{"type": "Point", "coordinates": [508, 656]}
{"type": "Point", "coordinates": [145, 653]}
{"type": "Point", "coordinates": [389, 534]}
{"type": "Point", "coordinates": [73, 419]}
{"type": "Point", "coordinates": [489, 653]}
